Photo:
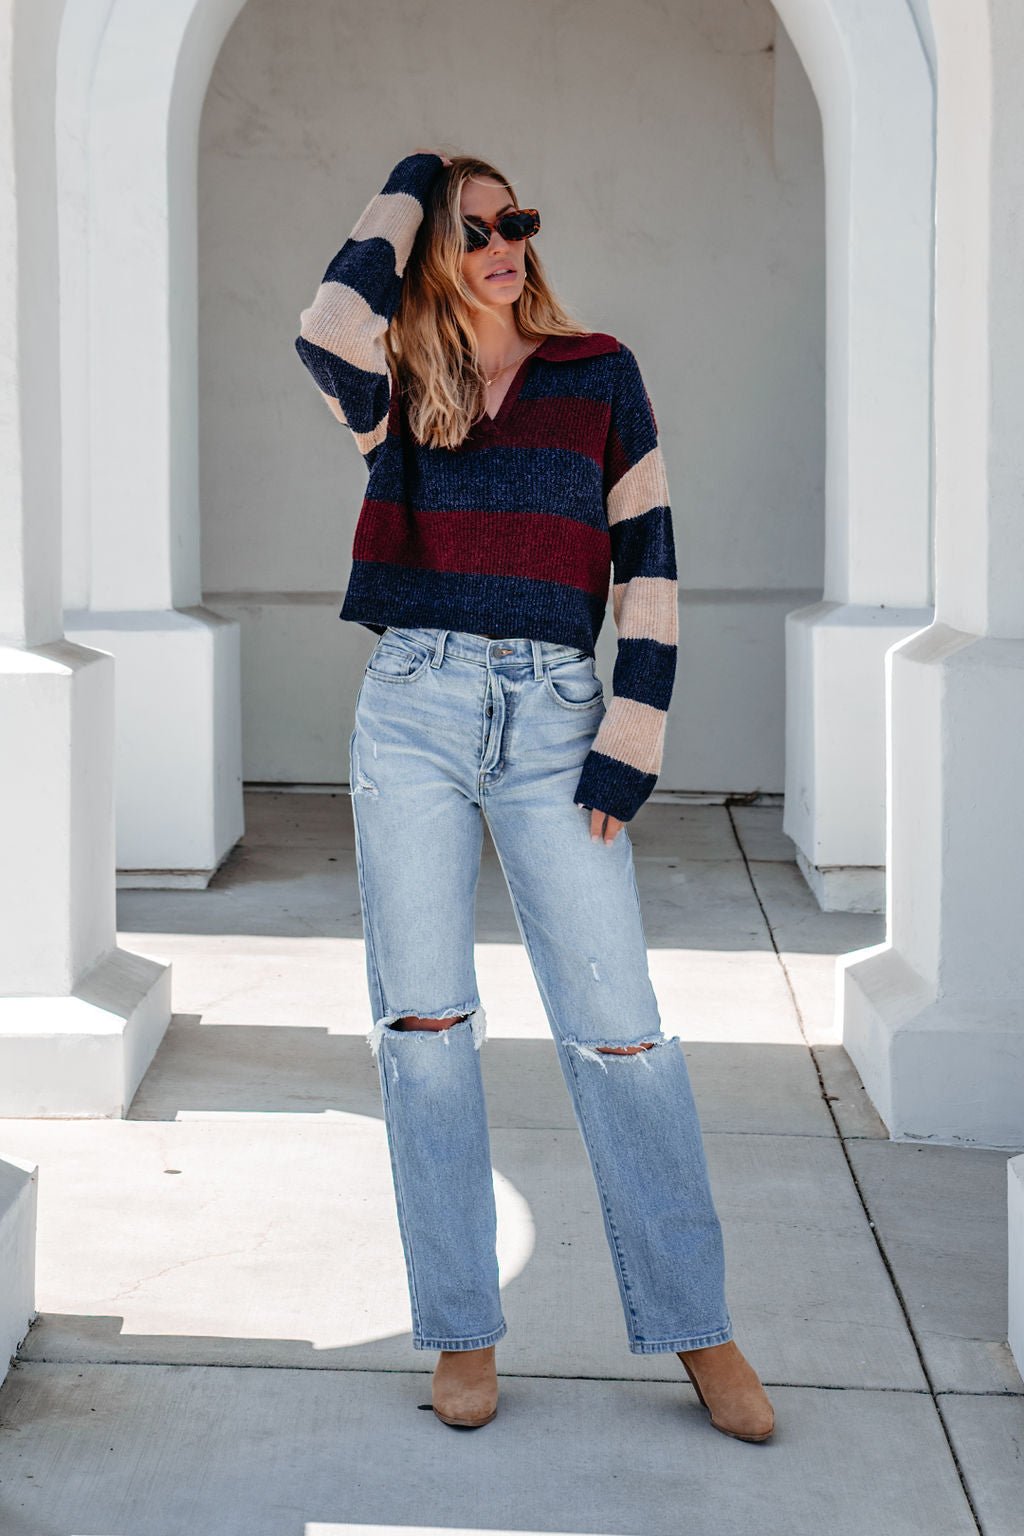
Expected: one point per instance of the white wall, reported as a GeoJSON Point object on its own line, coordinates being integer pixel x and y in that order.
{"type": "Point", "coordinates": [694, 131]}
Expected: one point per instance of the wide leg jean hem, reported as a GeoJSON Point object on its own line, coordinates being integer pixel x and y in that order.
{"type": "Point", "coordinates": [673, 1346]}
{"type": "Point", "coordinates": [482, 1342]}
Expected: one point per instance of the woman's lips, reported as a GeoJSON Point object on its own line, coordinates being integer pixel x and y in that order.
{"type": "Point", "coordinates": [501, 277]}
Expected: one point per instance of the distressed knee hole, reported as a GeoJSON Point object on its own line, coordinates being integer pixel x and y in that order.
{"type": "Point", "coordinates": [598, 1050]}
{"type": "Point", "coordinates": [413, 1021]}
{"type": "Point", "coordinates": [404, 1022]}
{"type": "Point", "coordinates": [623, 1050]}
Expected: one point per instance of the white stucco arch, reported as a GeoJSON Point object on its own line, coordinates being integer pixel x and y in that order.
{"type": "Point", "coordinates": [131, 84]}
{"type": "Point", "coordinates": [870, 71]}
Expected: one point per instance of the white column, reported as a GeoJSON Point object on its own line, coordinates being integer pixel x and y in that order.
{"type": "Point", "coordinates": [19, 1190]}
{"type": "Point", "coordinates": [872, 79]}
{"type": "Point", "coordinates": [132, 81]}
{"type": "Point", "coordinates": [934, 1017]}
{"type": "Point", "coordinates": [80, 1018]}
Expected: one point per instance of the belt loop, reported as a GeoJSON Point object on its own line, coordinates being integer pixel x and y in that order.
{"type": "Point", "coordinates": [538, 664]}
{"type": "Point", "coordinates": [438, 655]}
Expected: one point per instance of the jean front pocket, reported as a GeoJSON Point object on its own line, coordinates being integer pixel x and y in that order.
{"type": "Point", "coordinates": [574, 684]}
{"type": "Point", "coordinates": [396, 660]}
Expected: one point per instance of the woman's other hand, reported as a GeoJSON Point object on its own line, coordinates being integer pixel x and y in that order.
{"type": "Point", "coordinates": [598, 829]}
{"type": "Point", "coordinates": [444, 158]}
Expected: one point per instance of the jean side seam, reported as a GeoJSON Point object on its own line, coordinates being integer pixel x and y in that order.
{"type": "Point", "coordinates": [382, 1068]}
{"type": "Point", "coordinates": [599, 1178]}
{"type": "Point", "coordinates": [626, 1289]}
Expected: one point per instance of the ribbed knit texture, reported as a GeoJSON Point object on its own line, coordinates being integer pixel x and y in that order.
{"type": "Point", "coordinates": [520, 530]}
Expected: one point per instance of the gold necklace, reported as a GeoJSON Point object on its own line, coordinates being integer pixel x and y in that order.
{"type": "Point", "coordinates": [515, 360]}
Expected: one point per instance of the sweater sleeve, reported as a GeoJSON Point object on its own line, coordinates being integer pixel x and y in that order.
{"type": "Point", "coordinates": [340, 338]}
{"type": "Point", "coordinates": [625, 757]}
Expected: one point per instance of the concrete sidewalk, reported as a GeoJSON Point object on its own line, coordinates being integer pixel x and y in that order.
{"type": "Point", "coordinates": [223, 1341]}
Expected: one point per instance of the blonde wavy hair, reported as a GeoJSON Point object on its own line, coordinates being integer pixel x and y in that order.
{"type": "Point", "coordinates": [430, 343]}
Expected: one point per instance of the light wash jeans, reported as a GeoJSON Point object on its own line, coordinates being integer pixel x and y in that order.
{"type": "Point", "coordinates": [451, 727]}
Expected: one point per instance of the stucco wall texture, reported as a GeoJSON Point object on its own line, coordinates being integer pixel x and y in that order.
{"type": "Point", "coordinates": [675, 153]}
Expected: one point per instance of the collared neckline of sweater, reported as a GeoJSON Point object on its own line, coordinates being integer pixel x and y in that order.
{"type": "Point", "coordinates": [553, 349]}
{"type": "Point", "coordinates": [567, 349]}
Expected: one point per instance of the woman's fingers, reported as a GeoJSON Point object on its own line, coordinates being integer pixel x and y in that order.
{"type": "Point", "coordinates": [597, 826]}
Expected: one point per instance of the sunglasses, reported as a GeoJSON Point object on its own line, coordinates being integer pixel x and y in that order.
{"type": "Point", "coordinates": [517, 224]}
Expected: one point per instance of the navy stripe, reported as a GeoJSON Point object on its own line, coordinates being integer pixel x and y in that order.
{"type": "Point", "coordinates": [414, 174]}
{"type": "Point", "coordinates": [495, 479]}
{"type": "Point", "coordinates": [362, 395]}
{"type": "Point", "coordinates": [589, 379]}
{"type": "Point", "coordinates": [644, 546]}
{"type": "Point", "coordinates": [634, 422]}
{"type": "Point", "coordinates": [538, 610]}
{"type": "Point", "coordinates": [644, 670]}
{"type": "Point", "coordinates": [608, 785]}
{"type": "Point", "coordinates": [368, 266]}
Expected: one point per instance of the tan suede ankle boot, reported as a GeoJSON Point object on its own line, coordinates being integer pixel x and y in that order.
{"type": "Point", "coordinates": [730, 1390]}
{"type": "Point", "coordinates": [465, 1388]}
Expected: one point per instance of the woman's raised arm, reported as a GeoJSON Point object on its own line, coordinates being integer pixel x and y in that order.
{"type": "Point", "coordinates": [340, 335]}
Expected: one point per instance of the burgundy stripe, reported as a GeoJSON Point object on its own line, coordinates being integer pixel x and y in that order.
{"type": "Point", "coordinates": [617, 462]}
{"type": "Point", "coordinates": [565, 421]}
{"type": "Point", "coordinates": [559, 422]}
{"type": "Point", "coordinates": [537, 545]}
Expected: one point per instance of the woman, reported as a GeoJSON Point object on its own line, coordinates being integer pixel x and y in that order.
{"type": "Point", "coordinates": [514, 465]}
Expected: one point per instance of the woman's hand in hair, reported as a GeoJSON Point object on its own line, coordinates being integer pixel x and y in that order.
{"type": "Point", "coordinates": [444, 158]}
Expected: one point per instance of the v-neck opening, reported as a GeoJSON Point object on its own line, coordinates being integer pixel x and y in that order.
{"type": "Point", "coordinates": [511, 394]}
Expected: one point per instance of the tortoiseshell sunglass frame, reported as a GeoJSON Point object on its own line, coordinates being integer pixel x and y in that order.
{"type": "Point", "coordinates": [476, 240]}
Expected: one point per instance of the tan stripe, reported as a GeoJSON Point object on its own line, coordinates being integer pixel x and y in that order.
{"type": "Point", "coordinates": [340, 320]}
{"type": "Point", "coordinates": [632, 732]}
{"type": "Point", "coordinates": [647, 608]}
{"type": "Point", "coordinates": [335, 406]}
{"type": "Point", "coordinates": [641, 488]}
{"type": "Point", "coordinates": [364, 440]}
{"type": "Point", "coordinates": [394, 216]}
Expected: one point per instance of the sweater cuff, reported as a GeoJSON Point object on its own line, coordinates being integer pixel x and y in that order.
{"type": "Point", "coordinates": [611, 786]}
{"type": "Point", "coordinates": [415, 174]}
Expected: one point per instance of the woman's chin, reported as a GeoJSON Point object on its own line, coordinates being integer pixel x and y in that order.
{"type": "Point", "coordinates": [503, 296]}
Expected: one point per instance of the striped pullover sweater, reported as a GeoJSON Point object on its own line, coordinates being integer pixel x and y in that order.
{"type": "Point", "coordinates": [520, 530]}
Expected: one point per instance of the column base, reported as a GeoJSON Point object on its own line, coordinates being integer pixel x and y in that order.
{"type": "Point", "coordinates": [1015, 1230]}
{"type": "Point", "coordinates": [845, 888]}
{"type": "Point", "coordinates": [835, 746]}
{"type": "Point", "coordinates": [19, 1184]}
{"type": "Point", "coordinates": [949, 1072]}
{"type": "Point", "coordinates": [84, 1055]}
{"type": "Point", "coordinates": [178, 735]}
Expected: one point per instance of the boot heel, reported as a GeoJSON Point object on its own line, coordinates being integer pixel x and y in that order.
{"type": "Point", "coordinates": [735, 1390]}
{"type": "Point", "coordinates": [696, 1383]}
{"type": "Point", "coordinates": [464, 1393]}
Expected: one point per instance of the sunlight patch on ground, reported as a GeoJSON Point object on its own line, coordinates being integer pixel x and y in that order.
{"type": "Point", "coordinates": [727, 995]}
